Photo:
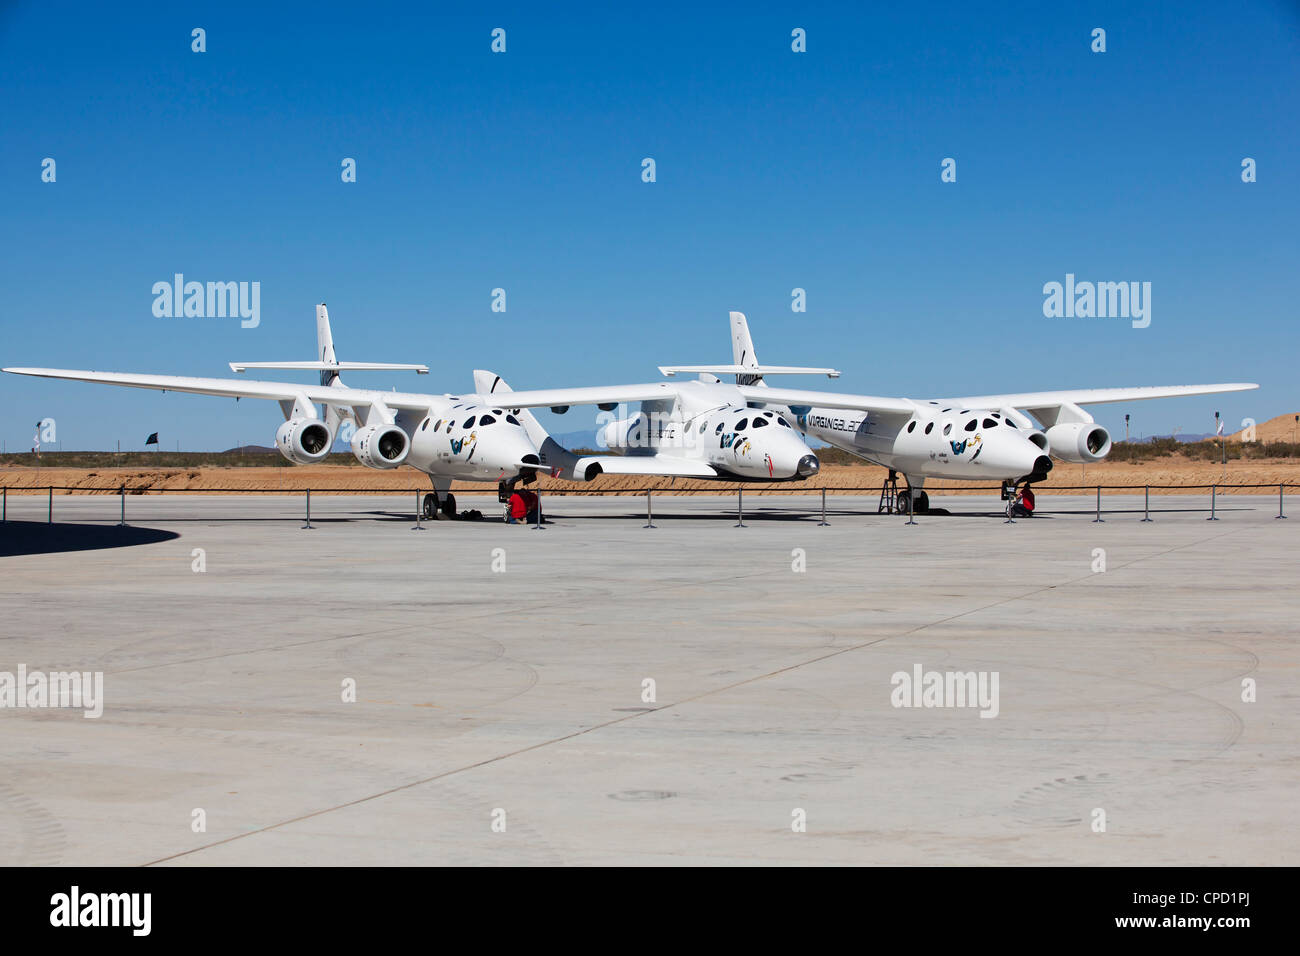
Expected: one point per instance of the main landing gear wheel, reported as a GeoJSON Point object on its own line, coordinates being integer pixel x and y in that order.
{"type": "Point", "coordinates": [449, 505]}
{"type": "Point", "coordinates": [429, 505]}
{"type": "Point", "coordinates": [920, 502]}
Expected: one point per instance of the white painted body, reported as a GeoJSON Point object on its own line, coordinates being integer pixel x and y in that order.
{"type": "Point", "coordinates": [393, 428]}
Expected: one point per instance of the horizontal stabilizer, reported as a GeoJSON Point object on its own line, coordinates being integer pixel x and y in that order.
{"type": "Point", "coordinates": [749, 370]}
{"type": "Point", "coordinates": [333, 366]}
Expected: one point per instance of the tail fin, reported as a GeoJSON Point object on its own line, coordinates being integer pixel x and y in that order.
{"type": "Point", "coordinates": [327, 363]}
{"type": "Point", "coordinates": [742, 349]}
{"type": "Point", "coordinates": [325, 345]}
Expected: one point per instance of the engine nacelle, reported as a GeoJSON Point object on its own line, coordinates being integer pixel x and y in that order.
{"type": "Point", "coordinates": [304, 441]}
{"type": "Point", "coordinates": [380, 446]}
{"type": "Point", "coordinates": [1079, 442]}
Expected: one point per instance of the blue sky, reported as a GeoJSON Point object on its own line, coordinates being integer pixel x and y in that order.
{"type": "Point", "coordinates": [775, 170]}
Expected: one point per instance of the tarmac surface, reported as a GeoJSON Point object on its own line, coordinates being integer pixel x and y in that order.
{"type": "Point", "coordinates": [1146, 713]}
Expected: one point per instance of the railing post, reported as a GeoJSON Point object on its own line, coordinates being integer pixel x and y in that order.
{"type": "Point", "coordinates": [121, 494]}
{"type": "Point", "coordinates": [1099, 519]}
{"type": "Point", "coordinates": [4, 505]}
{"type": "Point", "coordinates": [1146, 508]}
{"type": "Point", "coordinates": [823, 523]}
{"type": "Point", "coordinates": [50, 519]}
{"type": "Point", "coordinates": [307, 526]}
{"type": "Point", "coordinates": [1279, 502]}
{"type": "Point", "coordinates": [538, 525]}
{"type": "Point", "coordinates": [418, 510]}
{"type": "Point", "coordinates": [740, 507]}
{"type": "Point", "coordinates": [911, 507]}
{"type": "Point", "coordinates": [1214, 493]}
{"type": "Point", "coordinates": [649, 512]}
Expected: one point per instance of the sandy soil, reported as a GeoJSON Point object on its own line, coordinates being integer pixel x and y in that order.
{"type": "Point", "coordinates": [843, 479]}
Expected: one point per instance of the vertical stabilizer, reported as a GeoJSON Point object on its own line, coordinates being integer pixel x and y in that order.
{"type": "Point", "coordinates": [742, 350]}
{"type": "Point", "coordinates": [325, 345]}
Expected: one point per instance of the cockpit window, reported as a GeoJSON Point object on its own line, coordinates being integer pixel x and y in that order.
{"type": "Point", "coordinates": [486, 420]}
{"type": "Point", "coordinates": [782, 421]}
{"type": "Point", "coordinates": [760, 422]}
{"type": "Point", "coordinates": [497, 411]}
{"type": "Point", "coordinates": [703, 425]}
{"type": "Point", "coordinates": [469, 423]}
{"type": "Point", "coordinates": [1012, 424]}
{"type": "Point", "coordinates": [929, 427]}
{"type": "Point", "coordinates": [512, 420]}
{"type": "Point", "coordinates": [740, 425]}
{"type": "Point", "coordinates": [970, 425]}
{"type": "Point", "coordinates": [990, 423]}
{"type": "Point", "coordinates": [718, 430]}
{"type": "Point", "coordinates": [767, 414]}
{"type": "Point", "coordinates": [947, 429]}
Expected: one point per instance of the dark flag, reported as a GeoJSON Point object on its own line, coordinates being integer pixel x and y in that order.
{"type": "Point", "coordinates": [152, 439]}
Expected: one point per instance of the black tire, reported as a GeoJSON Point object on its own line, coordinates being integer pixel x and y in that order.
{"type": "Point", "coordinates": [900, 503]}
{"type": "Point", "coordinates": [430, 505]}
{"type": "Point", "coordinates": [449, 505]}
{"type": "Point", "coordinates": [922, 502]}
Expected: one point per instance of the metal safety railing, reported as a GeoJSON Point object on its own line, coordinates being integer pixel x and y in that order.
{"type": "Point", "coordinates": [122, 490]}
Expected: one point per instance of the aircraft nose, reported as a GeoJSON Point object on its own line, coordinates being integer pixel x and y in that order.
{"type": "Point", "coordinates": [808, 466]}
{"type": "Point", "coordinates": [1042, 465]}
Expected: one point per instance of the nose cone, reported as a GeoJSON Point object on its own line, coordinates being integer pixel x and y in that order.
{"type": "Point", "coordinates": [808, 466]}
{"type": "Point", "coordinates": [1042, 465]}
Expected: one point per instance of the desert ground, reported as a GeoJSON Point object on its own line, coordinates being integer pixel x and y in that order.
{"type": "Point", "coordinates": [1183, 474]}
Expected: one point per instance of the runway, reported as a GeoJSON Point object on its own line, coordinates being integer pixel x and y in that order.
{"type": "Point", "coordinates": [499, 674]}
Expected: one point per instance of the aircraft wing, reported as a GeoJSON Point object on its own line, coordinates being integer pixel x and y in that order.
{"type": "Point", "coordinates": [665, 465]}
{"type": "Point", "coordinates": [872, 404]}
{"type": "Point", "coordinates": [596, 395]}
{"type": "Point", "coordinates": [1093, 396]}
{"type": "Point", "coordinates": [231, 388]}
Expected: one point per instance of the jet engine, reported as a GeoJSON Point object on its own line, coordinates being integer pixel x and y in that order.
{"type": "Point", "coordinates": [380, 446]}
{"type": "Point", "coordinates": [1079, 442]}
{"type": "Point", "coordinates": [304, 441]}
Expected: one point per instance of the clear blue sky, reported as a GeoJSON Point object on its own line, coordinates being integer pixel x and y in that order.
{"type": "Point", "coordinates": [522, 170]}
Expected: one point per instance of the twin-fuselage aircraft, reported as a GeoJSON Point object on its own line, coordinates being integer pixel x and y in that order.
{"type": "Point", "coordinates": [704, 428]}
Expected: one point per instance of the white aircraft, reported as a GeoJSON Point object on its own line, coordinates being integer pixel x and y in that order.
{"type": "Point", "coordinates": [698, 429]}
{"type": "Point", "coordinates": [976, 438]}
{"type": "Point", "coordinates": [709, 429]}
{"type": "Point", "coordinates": [448, 437]}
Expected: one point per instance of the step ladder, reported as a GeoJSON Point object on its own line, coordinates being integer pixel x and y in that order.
{"type": "Point", "coordinates": [889, 494]}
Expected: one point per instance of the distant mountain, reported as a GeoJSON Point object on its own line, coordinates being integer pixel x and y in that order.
{"type": "Point", "coordinates": [251, 450]}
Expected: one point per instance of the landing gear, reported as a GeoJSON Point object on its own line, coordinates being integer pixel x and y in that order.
{"type": "Point", "coordinates": [920, 502]}
{"type": "Point", "coordinates": [439, 501]}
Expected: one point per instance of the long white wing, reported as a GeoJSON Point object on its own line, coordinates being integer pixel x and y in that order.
{"type": "Point", "coordinates": [596, 395]}
{"type": "Point", "coordinates": [235, 388]}
{"type": "Point", "coordinates": [1093, 396]}
{"type": "Point", "coordinates": [876, 404]}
